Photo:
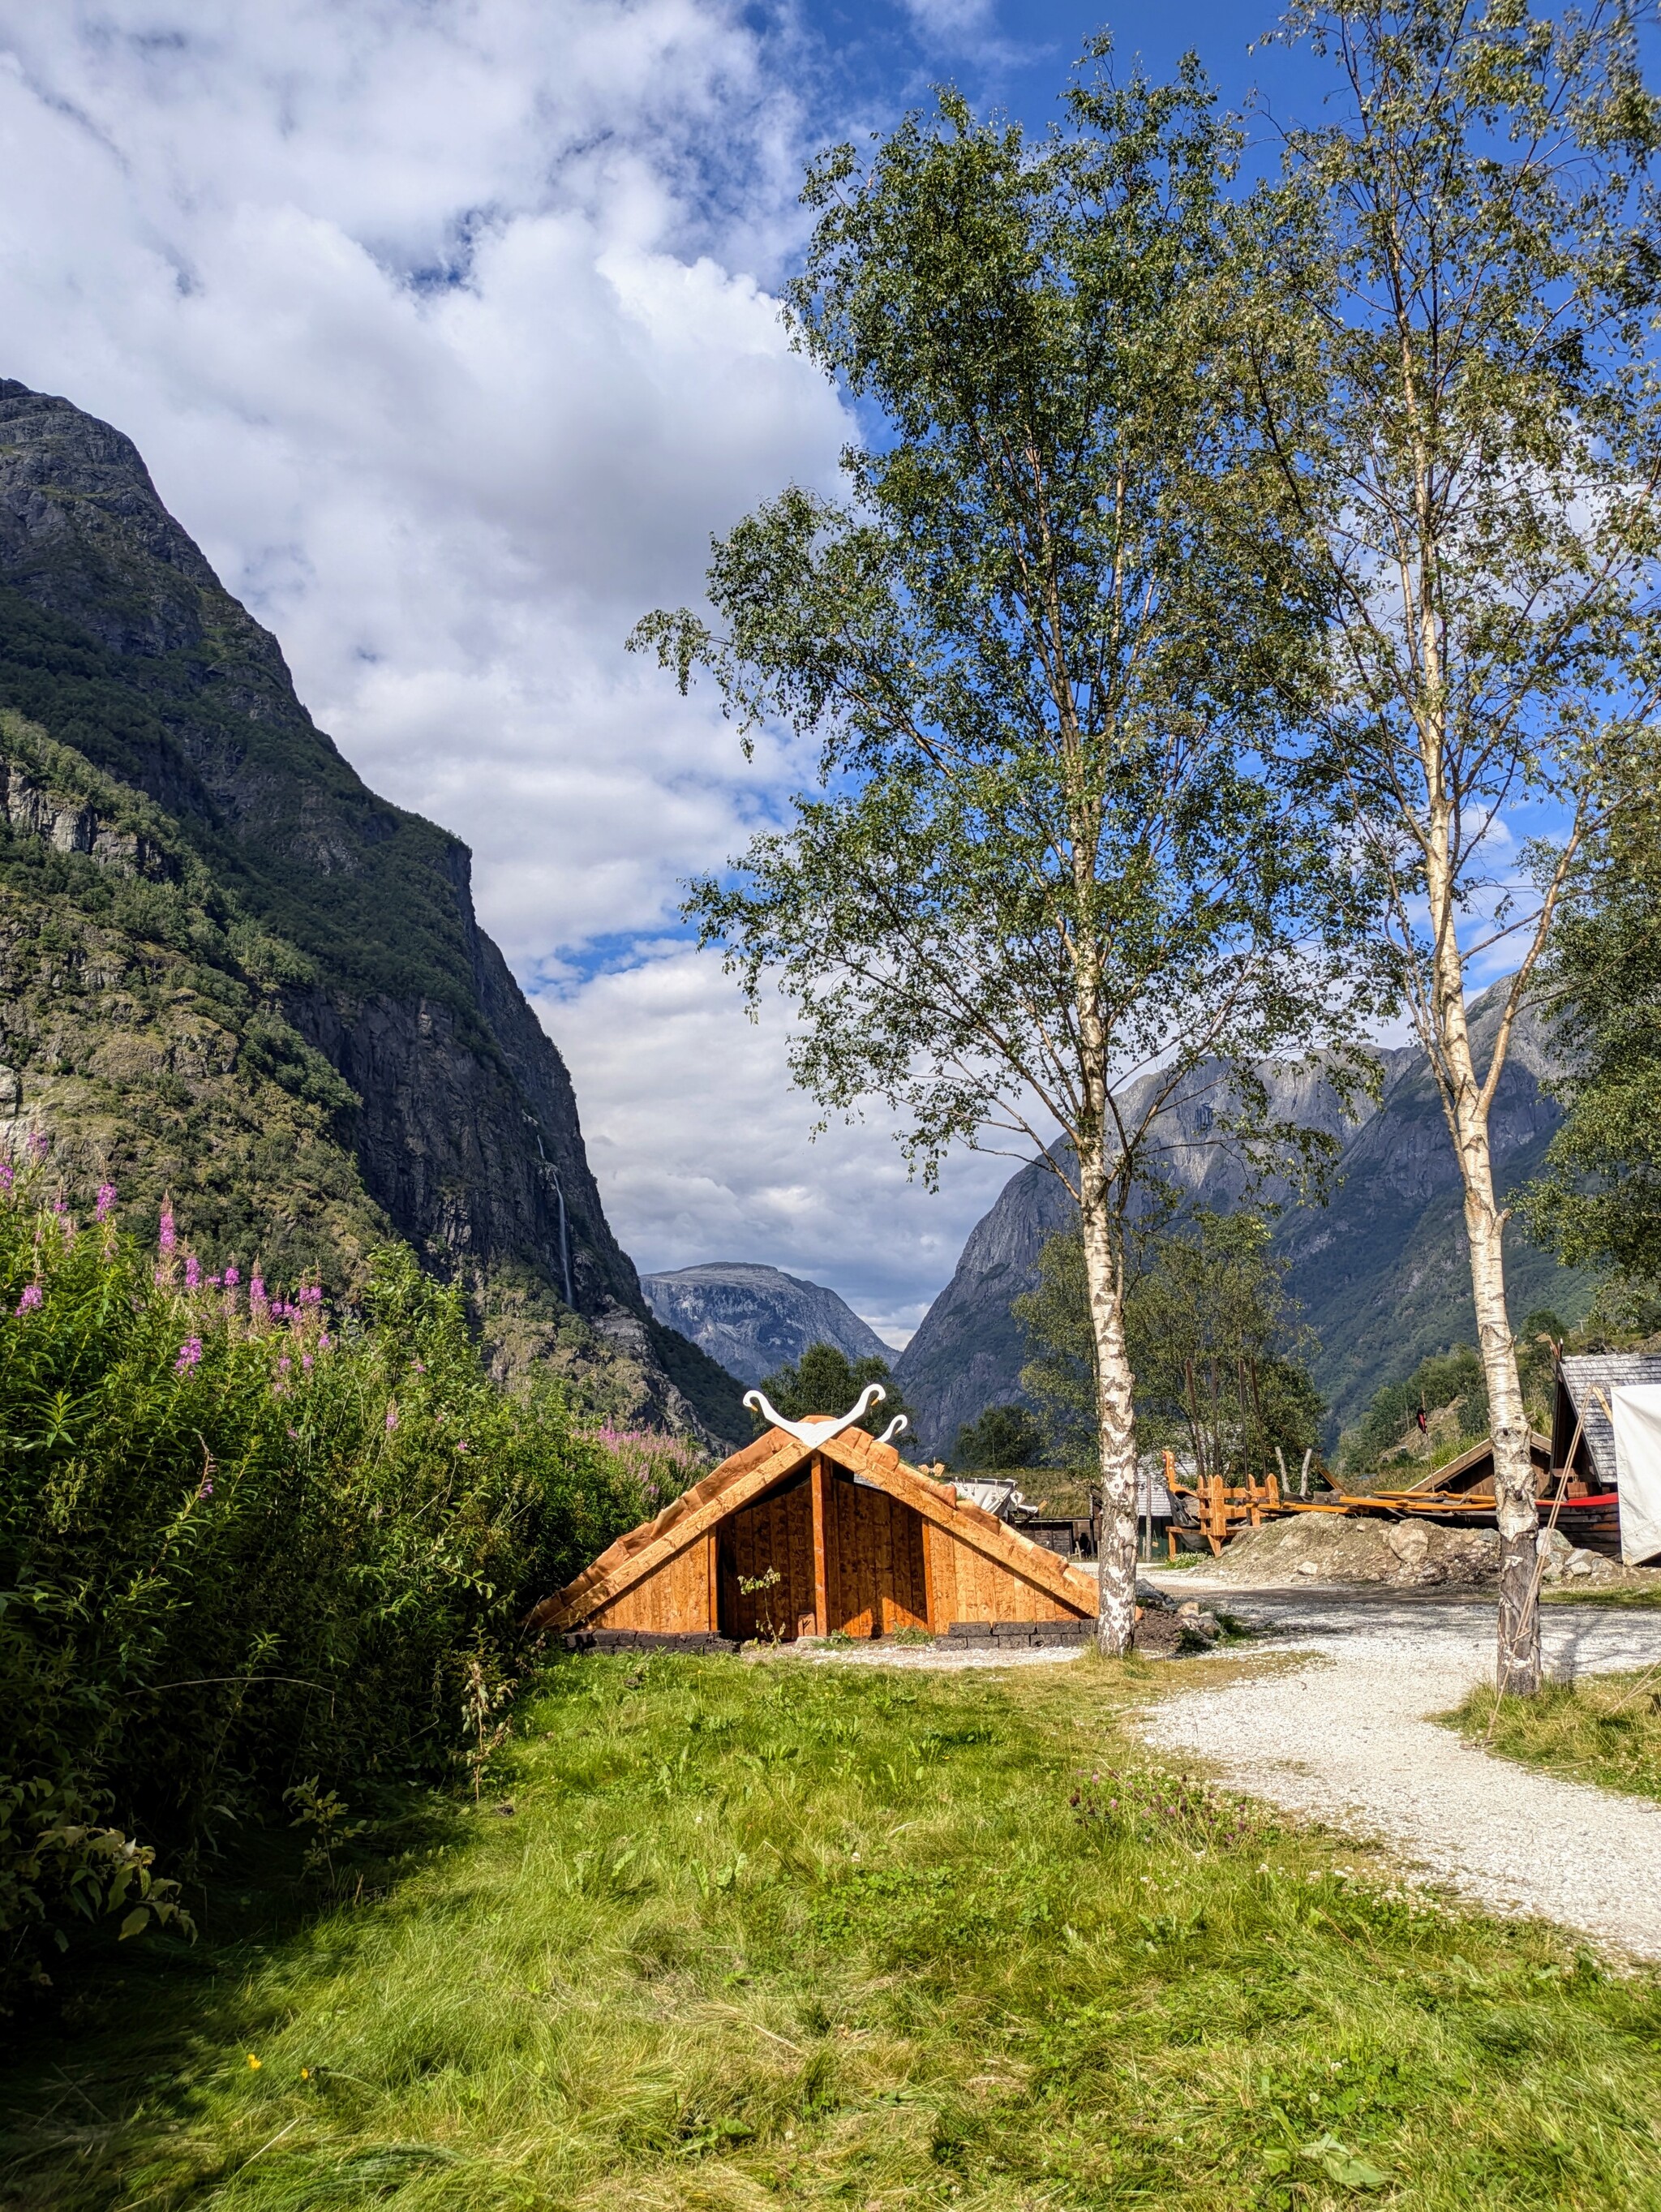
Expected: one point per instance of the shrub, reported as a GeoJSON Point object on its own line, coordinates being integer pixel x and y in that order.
{"type": "Point", "coordinates": [241, 1543]}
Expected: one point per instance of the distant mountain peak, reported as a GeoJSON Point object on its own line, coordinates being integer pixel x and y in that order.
{"type": "Point", "coordinates": [755, 1319]}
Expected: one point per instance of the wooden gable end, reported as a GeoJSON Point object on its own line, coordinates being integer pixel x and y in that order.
{"type": "Point", "coordinates": [785, 1539]}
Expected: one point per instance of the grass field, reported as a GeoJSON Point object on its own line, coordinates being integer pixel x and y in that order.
{"type": "Point", "coordinates": [1605, 1729]}
{"type": "Point", "coordinates": [852, 1938]}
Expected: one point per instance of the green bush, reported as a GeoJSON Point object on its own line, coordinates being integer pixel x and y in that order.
{"type": "Point", "coordinates": [243, 1545]}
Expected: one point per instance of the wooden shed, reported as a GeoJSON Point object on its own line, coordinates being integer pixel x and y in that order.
{"type": "Point", "coordinates": [817, 1528]}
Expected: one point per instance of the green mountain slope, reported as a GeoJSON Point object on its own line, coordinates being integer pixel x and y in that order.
{"type": "Point", "coordinates": [451, 1112]}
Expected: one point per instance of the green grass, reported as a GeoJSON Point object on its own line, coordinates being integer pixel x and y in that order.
{"type": "Point", "coordinates": [1626, 1600]}
{"type": "Point", "coordinates": [827, 1937]}
{"type": "Point", "coordinates": [1604, 1729]}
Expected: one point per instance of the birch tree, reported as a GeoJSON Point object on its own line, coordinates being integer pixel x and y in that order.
{"type": "Point", "coordinates": [1035, 650]}
{"type": "Point", "coordinates": [1468, 423]}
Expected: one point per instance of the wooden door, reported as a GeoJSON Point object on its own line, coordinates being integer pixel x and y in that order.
{"type": "Point", "coordinates": [873, 1570]}
{"type": "Point", "coordinates": [767, 1544]}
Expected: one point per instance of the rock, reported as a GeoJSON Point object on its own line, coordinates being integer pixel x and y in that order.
{"type": "Point", "coordinates": [1307, 1567]}
{"type": "Point", "coordinates": [1189, 1611]}
{"type": "Point", "coordinates": [1411, 1542]}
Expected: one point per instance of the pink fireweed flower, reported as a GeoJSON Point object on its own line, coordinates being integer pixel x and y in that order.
{"type": "Point", "coordinates": [214, 1281]}
{"type": "Point", "coordinates": [305, 1361]}
{"type": "Point", "coordinates": [206, 1489]}
{"type": "Point", "coordinates": [60, 1204]}
{"type": "Point", "coordinates": [392, 1416]}
{"type": "Point", "coordinates": [284, 1365]}
{"type": "Point", "coordinates": [39, 1144]}
{"type": "Point", "coordinates": [189, 1353]}
{"type": "Point", "coordinates": [461, 1443]}
{"type": "Point", "coordinates": [233, 1277]}
{"type": "Point", "coordinates": [6, 1175]}
{"type": "Point", "coordinates": [169, 1235]}
{"type": "Point", "coordinates": [421, 1367]}
{"type": "Point", "coordinates": [325, 1342]}
{"type": "Point", "coordinates": [192, 1272]}
{"type": "Point", "coordinates": [106, 1201]}
{"type": "Point", "coordinates": [32, 1296]}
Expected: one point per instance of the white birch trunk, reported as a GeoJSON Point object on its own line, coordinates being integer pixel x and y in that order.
{"type": "Point", "coordinates": [1517, 1671]}
{"type": "Point", "coordinates": [1104, 1277]}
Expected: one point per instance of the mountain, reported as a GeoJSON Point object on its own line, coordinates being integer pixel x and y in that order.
{"type": "Point", "coordinates": [1380, 1271]}
{"type": "Point", "coordinates": [754, 1319]}
{"type": "Point", "coordinates": [229, 969]}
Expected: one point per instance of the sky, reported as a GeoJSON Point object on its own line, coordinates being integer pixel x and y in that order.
{"type": "Point", "coordinates": [447, 328]}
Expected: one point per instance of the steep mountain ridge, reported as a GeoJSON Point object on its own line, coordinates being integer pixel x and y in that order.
{"type": "Point", "coordinates": [1379, 1270]}
{"type": "Point", "coordinates": [755, 1319]}
{"type": "Point", "coordinates": [451, 1108]}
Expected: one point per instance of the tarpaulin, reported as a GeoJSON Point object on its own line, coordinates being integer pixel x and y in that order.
{"type": "Point", "coordinates": [1635, 1411]}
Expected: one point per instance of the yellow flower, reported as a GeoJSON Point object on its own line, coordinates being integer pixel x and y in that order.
{"type": "Point", "coordinates": [254, 2064]}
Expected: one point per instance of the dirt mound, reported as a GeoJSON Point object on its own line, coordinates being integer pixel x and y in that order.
{"type": "Point", "coordinates": [1329, 1548]}
{"type": "Point", "coordinates": [1410, 1554]}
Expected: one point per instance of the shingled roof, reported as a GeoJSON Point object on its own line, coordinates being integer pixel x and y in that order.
{"type": "Point", "coordinates": [1587, 1384]}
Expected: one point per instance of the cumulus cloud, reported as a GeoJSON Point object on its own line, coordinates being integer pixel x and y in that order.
{"type": "Point", "coordinates": [729, 1173]}
{"type": "Point", "coordinates": [446, 328]}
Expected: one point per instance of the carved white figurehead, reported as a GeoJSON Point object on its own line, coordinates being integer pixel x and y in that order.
{"type": "Point", "coordinates": [894, 1429]}
{"type": "Point", "coordinates": [814, 1433]}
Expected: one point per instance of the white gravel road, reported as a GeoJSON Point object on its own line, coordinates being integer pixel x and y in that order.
{"type": "Point", "coordinates": [1347, 1739]}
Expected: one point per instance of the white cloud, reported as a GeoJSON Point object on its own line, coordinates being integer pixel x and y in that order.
{"type": "Point", "coordinates": [702, 1148]}
{"type": "Point", "coordinates": [947, 23]}
{"type": "Point", "coordinates": [444, 328]}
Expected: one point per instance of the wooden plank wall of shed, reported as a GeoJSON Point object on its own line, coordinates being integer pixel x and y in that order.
{"type": "Point", "coordinates": [773, 1535]}
{"type": "Point", "coordinates": [673, 1601]}
{"type": "Point", "coordinates": [968, 1586]}
{"type": "Point", "coordinates": [875, 1573]}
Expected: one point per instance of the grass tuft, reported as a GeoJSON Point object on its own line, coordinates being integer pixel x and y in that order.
{"type": "Point", "coordinates": [1604, 1729]}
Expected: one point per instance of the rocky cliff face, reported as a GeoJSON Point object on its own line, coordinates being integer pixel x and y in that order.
{"type": "Point", "coordinates": [754, 1319]}
{"type": "Point", "coordinates": [1380, 1270]}
{"type": "Point", "coordinates": [453, 1111]}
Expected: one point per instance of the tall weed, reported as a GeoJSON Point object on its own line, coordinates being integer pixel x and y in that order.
{"type": "Point", "coordinates": [244, 1547]}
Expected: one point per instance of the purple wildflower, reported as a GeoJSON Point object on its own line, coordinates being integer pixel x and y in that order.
{"type": "Point", "coordinates": [60, 1204]}
{"type": "Point", "coordinates": [325, 1342]}
{"type": "Point", "coordinates": [39, 1144]}
{"type": "Point", "coordinates": [169, 1234]}
{"type": "Point", "coordinates": [192, 1272]}
{"type": "Point", "coordinates": [295, 1434]}
{"type": "Point", "coordinates": [206, 1489]}
{"type": "Point", "coordinates": [213, 1281]}
{"type": "Point", "coordinates": [105, 1200]}
{"type": "Point", "coordinates": [32, 1296]}
{"type": "Point", "coordinates": [461, 1443]}
{"type": "Point", "coordinates": [305, 1361]}
{"type": "Point", "coordinates": [232, 1276]}
{"type": "Point", "coordinates": [5, 1174]}
{"type": "Point", "coordinates": [392, 1416]}
{"type": "Point", "coordinates": [421, 1367]}
{"type": "Point", "coordinates": [189, 1353]}
{"type": "Point", "coordinates": [284, 1365]}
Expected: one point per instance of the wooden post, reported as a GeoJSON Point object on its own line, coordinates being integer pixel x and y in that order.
{"type": "Point", "coordinates": [821, 1594]}
{"type": "Point", "coordinates": [713, 1565]}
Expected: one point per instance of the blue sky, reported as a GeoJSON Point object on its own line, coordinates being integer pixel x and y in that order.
{"type": "Point", "coordinates": [447, 327]}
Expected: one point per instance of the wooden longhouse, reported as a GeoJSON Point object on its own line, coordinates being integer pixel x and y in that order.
{"type": "Point", "coordinates": [816, 1530]}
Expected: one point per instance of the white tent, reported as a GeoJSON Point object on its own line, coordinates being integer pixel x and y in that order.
{"type": "Point", "coordinates": [1635, 1409]}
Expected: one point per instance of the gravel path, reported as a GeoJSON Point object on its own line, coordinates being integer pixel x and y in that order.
{"type": "Point", "coordinates": [1347, 1738]}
